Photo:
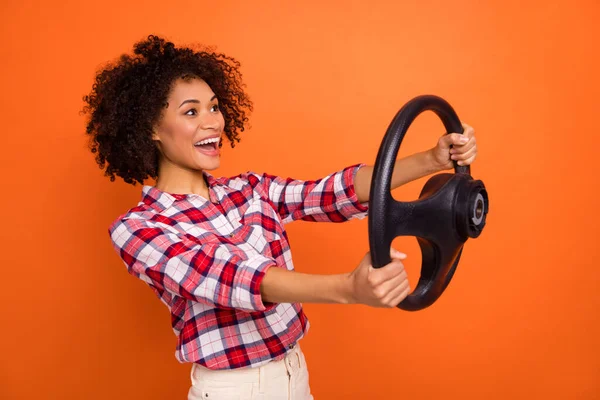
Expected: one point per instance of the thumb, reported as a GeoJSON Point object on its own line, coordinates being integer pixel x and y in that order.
{"type": "Point", "coordinates": [397, 254]}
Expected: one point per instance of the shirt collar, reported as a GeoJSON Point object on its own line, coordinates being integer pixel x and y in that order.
{"type": "Point", "coordinates": [155, 197]}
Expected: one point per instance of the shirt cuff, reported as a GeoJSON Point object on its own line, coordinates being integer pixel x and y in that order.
{"type": "Point", "coordinates": [361, 208]}
{"type": "Point", "coordinates": [248, 279]}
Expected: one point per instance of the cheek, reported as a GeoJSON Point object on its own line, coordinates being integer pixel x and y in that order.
{"type": "Point", "coordinates": [177, 139]}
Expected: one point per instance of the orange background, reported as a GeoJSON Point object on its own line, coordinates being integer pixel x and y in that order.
{"type": "Point", "coordinates": [519, 320]}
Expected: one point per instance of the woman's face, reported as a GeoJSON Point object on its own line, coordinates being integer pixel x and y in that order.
{"type": "Point", "coordinates": [190, 128]}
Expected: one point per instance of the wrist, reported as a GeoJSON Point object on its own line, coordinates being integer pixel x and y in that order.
{"type": "Point", "coordinates": [345, 289]}
{"type": "Point", "coordinates": [431, 165]}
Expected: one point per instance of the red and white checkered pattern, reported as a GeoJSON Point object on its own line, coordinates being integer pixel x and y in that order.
{"type": "Point", "coordinates": [206, 258]}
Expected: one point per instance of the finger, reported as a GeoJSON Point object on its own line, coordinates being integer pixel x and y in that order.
{"type": "Point", "coordinates": [469, 161]}
{"type": "Point", "coordinates": [452, 139]}
{"type": "Point", "coordinates": [392, 283]}
{"type": "Point", "coordinates": [397, 254]}
{"type": "Point", "coordinates": [464, 155]}
{"type": "Point", "coordinates": [472, 141]}
{"type": "Point", "coordinates": [378, 276]}
{"type": "Point", "coordinates": [393, 289]}
{"type": "Point", "coordinates": [397, 300]}
{"type": "Point", "coordinates": [390, 271]}
{"type": "Point", "coordinates": [465, 147]}
{"type": "Point", "coordinates": [392, 298]}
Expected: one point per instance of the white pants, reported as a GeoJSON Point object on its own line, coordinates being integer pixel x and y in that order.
{"type": "Point", "coordinates": [286, 379]}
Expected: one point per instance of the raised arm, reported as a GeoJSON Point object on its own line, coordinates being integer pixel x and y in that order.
{"type": "Point", "coordinates": [330, 199]}
{"type": "Point", "coordinates": [406, 170]}
{"type": "Point", "coordinates": [461, 148]}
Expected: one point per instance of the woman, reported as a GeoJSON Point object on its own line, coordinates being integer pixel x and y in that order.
{"type": "Point", "coordinates": [215, 250]}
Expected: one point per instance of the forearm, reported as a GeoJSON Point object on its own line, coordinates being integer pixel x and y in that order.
{"type": "Point", "coordinates": [283, 286]}
{"type": "Point", "coordinates": [406, 170]}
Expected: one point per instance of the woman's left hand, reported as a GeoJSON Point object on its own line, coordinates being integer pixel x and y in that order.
{"type": "Point", "coordinates": [455, 147]}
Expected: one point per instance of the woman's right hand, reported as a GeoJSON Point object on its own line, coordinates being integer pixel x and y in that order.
{"type": "Point", "coordinates": [379, 287]}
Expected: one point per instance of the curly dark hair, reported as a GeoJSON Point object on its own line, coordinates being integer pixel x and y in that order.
{"type": "Point", "coordinates": [129, 94]}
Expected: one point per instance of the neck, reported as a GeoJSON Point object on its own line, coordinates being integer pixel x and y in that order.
{"type": "Point", "coordinates": [178, 180]}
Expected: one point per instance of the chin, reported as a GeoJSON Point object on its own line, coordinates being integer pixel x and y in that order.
{"type": "Point", "coordinates": [210, 166]}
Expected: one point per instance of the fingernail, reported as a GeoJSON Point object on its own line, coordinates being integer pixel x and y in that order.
{"type": "Point", "coordinates": [463, 139]}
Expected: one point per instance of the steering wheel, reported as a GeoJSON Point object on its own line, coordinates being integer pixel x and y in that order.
{"type": "Point", "coordinates": [451, 208]}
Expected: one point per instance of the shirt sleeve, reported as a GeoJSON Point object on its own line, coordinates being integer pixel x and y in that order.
{"type": "Point", "coordinates": [330, 199]}
{"type": "Point", "coordinates": [178, 263]}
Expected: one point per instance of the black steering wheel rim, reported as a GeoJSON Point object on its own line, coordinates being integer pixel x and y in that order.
{"type": "Point", "coordinates": [444, 254]}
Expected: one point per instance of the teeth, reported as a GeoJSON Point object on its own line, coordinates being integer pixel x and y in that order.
{"type": "Point", "coordinates": [207, 141]}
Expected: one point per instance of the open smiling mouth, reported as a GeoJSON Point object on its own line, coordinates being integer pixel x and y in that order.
{"type": "Point", "coordinates": [209, 146]}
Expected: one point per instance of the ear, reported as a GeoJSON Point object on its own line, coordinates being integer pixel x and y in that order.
{"type": "Point", "coordinates": [155, 135]}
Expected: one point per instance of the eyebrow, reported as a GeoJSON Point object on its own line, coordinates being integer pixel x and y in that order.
{"type": "Point", "coordinates": [195, 101]}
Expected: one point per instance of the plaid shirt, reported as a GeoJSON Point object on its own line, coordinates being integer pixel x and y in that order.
{"type": "Point", "coordinates": [205, 259]}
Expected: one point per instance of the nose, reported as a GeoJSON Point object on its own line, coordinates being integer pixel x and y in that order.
{"type": "Point", "coordinates": [210, 121]}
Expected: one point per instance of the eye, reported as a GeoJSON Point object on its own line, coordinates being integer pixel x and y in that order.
{"type": "Point", "coordinates": [192, 111]}
{"type": "Point", "coordinates": [215, 108]}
